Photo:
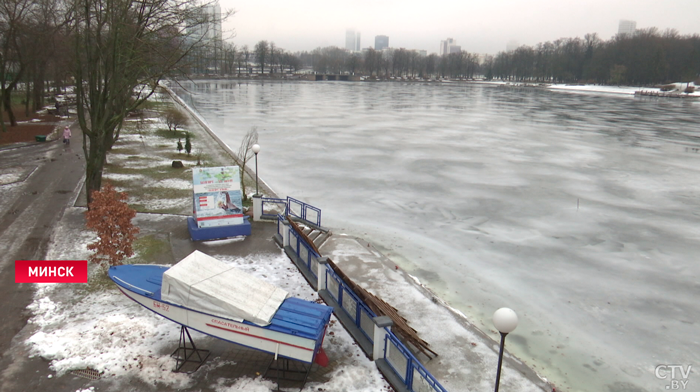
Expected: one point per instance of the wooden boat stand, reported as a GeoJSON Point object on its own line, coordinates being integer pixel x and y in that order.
{"type": "Point", "coordinates": [282, 365]}
{"type": "Point", "coordinates": [184, 354]}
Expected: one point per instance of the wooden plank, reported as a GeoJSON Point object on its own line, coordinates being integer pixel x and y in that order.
{"type": "Point", "coordinates": [376, 304]}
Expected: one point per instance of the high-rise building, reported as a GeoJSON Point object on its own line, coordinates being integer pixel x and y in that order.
{"type": "Point", "coordinates": [207, 30]}
{"type": "Point", "coordinates": [449, 46]}
{"type": "Point", "coordinates": [512, 45]}
{"type": "Point", "coordinates": [627, 27]}
{"type": "Point", "coordinates": [381, 42]}
{"type": "Point", "coordinates": [352, 40]}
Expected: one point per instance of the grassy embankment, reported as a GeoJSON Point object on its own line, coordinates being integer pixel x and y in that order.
{"type": "Point", "coordinates": [140, 164]}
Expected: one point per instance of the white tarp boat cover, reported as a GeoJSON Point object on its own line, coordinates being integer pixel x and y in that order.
{"type": "Point", "coordinates": [203, 283]}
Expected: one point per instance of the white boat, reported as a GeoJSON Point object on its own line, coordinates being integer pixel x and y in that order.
{"type": "Point", "coordinates": [212, 297]}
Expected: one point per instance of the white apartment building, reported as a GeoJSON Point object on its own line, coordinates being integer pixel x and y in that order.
{"type": "Point", "coordinates": [352, 40]}
{"type": "Point", "coordinates": [627, 27]}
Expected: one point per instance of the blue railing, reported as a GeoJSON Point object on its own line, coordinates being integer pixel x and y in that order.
{"type": "Point", "coordinates": [280, 219]}
{"type": "Point", "coordinates": [400, 359]}
{"type": "Point", "coordinates": [353, 306]}
{"type": "Point", "coordinates": [413, 374]}
{"type": "Point", "coordinates": [304, 211]}
{"type": "Point", "coordinates": [304, 251]}
{"type": "Point", "coordinates": [271, 208]}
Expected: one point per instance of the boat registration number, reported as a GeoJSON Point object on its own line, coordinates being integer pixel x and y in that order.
{"type": "Point", "coordinates": [162, 306]}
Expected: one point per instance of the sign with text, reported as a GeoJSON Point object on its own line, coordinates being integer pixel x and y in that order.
{"type": "Point", "coordinates": [217, 196]}
{"type": "Point", "coordinates": [51, 271]}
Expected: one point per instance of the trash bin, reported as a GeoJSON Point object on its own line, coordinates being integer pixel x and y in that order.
{"type": "Point", "coordinates": [40, 138]}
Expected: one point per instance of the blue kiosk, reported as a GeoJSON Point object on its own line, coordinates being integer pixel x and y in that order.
{"type": "Point", "coordinates": [217, 204]}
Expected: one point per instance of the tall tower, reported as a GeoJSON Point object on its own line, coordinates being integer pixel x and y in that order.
{"type": "Point", "coordinates": [445, 46]}
{"type": "Point", "coordinates": [381, 42]}
{"type": "Point", "coordinates": [350, 39]}
{"type": "Point", "coordinates": [357, 42]}
{"type": "Point", "coordinates": [627, 27]}
{"type": "Point", "coordinates": [208, 33]}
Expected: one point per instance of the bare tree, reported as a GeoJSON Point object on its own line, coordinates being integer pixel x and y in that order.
{"type": "Point", "coordinates": [230, 55]}
{"type": "Point", "coordinates": [354, 63]}
{"type": "Point", "coordinates": [174, 119]}
{"type": "Point", "coordinates": [262, 52]}
{"type": "Point", "coordinates": [273, 57]}
{"type": "Point", "coordinates": [246, 57]}
{"type": "Point", "coordinates": [373, 61]}
{"type": "Point", "coordinates": [14, 20]}
{"type": "Point", "coordinates": [245, 152]}
{"type": "Point", "coordinates": [123, 49]}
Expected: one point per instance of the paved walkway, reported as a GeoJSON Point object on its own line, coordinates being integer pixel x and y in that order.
{"type": "Point", "coordinates": [40, 181]}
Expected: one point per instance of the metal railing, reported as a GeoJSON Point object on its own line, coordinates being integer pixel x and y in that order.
{"type": "Point", "coordinates": [413, 374]}
{"type": "Point", "coordinates": [280, 224]}
{"type": "Point", "coordinates": [400, 359]}
{"type": "Point", "coordinates": [291, 206]}
{"type": "Point", "coordinates": [271, 207]}
{"type": "Point", "coordinates": [303, 211]}
{"type": "Point", "coordinates": [353, 306]}
{"type": "Point", "coordinates": [304, 251]}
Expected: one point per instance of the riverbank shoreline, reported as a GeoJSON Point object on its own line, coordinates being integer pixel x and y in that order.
{"type": "Point", "coordinates": [360, 266]}
{"type": "Point", "coordinates": [637, 91]}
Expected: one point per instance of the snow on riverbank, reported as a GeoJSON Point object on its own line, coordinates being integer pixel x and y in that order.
{"type": "Point", "coordinates": [623, 90]}
{"type": "Point", "coordinates": [79, 327]}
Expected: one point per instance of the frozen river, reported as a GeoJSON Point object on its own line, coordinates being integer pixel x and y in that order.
{"type": "Point", "coordinates": [581, 212]}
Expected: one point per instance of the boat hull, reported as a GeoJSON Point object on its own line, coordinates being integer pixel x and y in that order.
{"type": "Point", "coordinates": [277, 343]}
{"type": "Point", "coordinates": [295, 332]}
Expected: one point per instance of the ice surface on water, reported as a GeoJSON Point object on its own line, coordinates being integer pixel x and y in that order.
{"type": "Point", "coordinates": [578, 211]}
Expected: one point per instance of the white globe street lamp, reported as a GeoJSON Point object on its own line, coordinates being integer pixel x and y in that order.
{"type": "Point", "coordinates": [256, 150]}
{"type": "Point", "coordinates": [505, 321]}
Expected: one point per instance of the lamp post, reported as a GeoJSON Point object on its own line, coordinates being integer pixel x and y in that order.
{"type": "Point", "coordinates": [505, 321]}
{"type": "Point", "coordinates": [256, 150]}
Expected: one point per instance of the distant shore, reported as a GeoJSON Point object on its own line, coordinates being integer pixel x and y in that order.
{"type": "Point", "coordinates": [677, 91]}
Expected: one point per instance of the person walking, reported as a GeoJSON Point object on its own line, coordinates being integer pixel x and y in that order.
{"type": "Point", "coordinates": [66, 136]}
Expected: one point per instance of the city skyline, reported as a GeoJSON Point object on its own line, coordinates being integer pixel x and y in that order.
{"type": "Point", "coordinates": [480, 28]}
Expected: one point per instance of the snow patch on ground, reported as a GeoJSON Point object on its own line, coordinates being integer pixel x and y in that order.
{"type": "Point", "coordinates": [129, 162]}
{"type": "Point", "coordinates": [160, 204]}
{"type": "Point", "coordinates": [596, 89]}
{"type": "Point", "coordinates": [174, 183]}
{"type": "Point", "coordinates": [7, 178]}
{"type": "Point", "coordinates": [244, 384]}
{"type": "Point", "coordinates": [123, 177]}
{"type": "Point", "coordinates": [108, 332]}
{"type": "Point", "coordinates": [224, 242]}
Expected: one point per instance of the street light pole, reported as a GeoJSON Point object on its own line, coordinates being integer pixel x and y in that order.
{"type": "Point", "coordinates": [256, 150]}
{"type": "Point", "coordinates": [500, 360]}
{"type": "Point", "coordinates": [505, 321]}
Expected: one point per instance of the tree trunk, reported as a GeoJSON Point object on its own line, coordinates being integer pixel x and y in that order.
{"type": "Point", "coordinates": [38, 92]}
{"type": "Point", "coordinates": [95, 155]}
{"type": "Point", "coordinates": [7, 103]}
{"type": "Point", "coordinates": [2, 118]}
{"type": "Point", "coordinates": [245, 195]}
{"type": "Point", "coordinates": [27, 98]}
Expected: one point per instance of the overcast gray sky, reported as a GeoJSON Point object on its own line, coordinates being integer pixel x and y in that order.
{"type": "Point", "coordinates": [480, 26]}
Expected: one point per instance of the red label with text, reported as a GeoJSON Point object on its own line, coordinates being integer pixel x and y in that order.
{"type": "Point", "coordinates": [51, 271]}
